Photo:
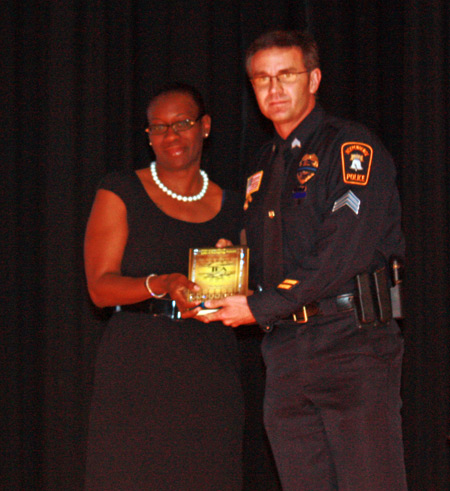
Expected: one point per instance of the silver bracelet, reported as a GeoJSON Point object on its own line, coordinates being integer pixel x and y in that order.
{"type": "Point", "coordinates": [149, 277]}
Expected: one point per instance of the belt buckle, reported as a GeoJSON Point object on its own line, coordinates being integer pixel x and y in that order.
{"type": "Point", "coordinates": [303, 320]}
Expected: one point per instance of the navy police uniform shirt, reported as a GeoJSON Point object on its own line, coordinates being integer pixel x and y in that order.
{"type": "Point", "coordinates": [339, 214]}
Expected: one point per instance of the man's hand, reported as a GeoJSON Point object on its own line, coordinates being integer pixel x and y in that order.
{"type": "Point", "coordinates": [233, 311]}
{"type": "Point", "coordinates": [221, 243]}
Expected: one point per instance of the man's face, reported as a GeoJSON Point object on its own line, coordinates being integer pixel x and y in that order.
{"type": "Point", "coordinates": [285, 104]}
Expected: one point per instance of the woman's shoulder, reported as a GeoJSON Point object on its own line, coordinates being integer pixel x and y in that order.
{"type": "Point", "coordinates": [118, 181]}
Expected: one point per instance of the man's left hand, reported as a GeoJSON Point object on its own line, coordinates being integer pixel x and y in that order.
{"type": "Point", "coordinates": [233, 311]}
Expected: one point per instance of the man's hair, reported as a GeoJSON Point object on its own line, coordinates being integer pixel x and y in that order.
{"type": "Point", "coordinates": [286, 39]}
{"type": "Point", "coordinates": [180, 88]}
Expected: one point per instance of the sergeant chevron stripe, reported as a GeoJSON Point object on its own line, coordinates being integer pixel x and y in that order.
{"type": "Point", "coordinates": [349, 199]}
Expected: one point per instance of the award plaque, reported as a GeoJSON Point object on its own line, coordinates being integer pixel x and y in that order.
{"type": "Point", "coordinates": [219, 272]}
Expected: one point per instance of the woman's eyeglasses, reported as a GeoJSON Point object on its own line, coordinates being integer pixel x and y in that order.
{"type": "Point", "coordinates": [177, 126]}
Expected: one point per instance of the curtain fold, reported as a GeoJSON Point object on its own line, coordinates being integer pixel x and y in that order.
{"type": "Point", "coordinates": [425, 180]}
{"type": "Point", "coordinates": [76, 77]}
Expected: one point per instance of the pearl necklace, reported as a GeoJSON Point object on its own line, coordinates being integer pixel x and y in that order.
{"type": "Point", "coordinates": [179, 197]}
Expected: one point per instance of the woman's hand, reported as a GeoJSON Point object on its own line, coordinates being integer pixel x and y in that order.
{"type": "Point", "coordinates": [177, 287]}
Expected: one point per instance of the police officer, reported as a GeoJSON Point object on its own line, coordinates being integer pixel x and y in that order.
{"type": "Point", "coordinates": [323, 221]}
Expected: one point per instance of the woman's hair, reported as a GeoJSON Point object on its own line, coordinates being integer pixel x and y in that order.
{"type": "Point", "coordinates": [286, 39]}
{"type": "Point", "coordinates": [180, 88]}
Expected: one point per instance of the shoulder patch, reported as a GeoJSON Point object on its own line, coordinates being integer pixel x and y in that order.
{"type": "Point", "coordinates": [356, 162]}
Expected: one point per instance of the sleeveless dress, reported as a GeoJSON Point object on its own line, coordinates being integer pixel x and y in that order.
{"type": "Point", "coordinates": [167, 411]}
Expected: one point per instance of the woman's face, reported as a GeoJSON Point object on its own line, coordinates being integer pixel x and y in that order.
{"type": "Point", "coordinates": [177, 149]}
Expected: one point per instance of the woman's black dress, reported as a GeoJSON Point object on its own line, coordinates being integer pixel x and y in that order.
{"type": "Point", "coordinates": [167, 410]}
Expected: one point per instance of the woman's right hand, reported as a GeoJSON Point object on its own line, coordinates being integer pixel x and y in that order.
{"type": "Point", "coordinates": [177, 285]}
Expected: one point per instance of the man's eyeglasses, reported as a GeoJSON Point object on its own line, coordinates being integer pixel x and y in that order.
{"type": "Point", "coordinates": [160, 128]}
{"type": "Point", "coordinates": [263, 81]}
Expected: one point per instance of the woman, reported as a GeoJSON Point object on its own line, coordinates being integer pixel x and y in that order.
{"type": "Point", "coordinates": [167, 410]}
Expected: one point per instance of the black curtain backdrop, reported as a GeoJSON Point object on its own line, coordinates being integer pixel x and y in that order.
{"type": "Point", "coordinates": [76, 76]}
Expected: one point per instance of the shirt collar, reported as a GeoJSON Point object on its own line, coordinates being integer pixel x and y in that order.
{"type": "Point", "coordinates": [303, 131]}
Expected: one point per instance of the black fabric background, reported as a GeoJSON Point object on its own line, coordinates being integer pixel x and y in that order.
{"type": "Point", "coordinates": [76, 76]}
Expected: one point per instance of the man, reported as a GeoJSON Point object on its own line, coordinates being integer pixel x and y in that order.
{"type": "Point", "coordinates": [323, 222]}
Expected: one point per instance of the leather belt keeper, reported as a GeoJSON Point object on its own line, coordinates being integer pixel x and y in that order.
{"type": "Point", "coordinates": [327, 306]}
{"type": "Point", "coordinates": [155, 307]}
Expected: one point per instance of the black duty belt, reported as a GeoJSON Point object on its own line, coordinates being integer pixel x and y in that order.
{"type": "Point", "coordinates": [327, 306]}
{"type": "Point", "coordinates": [155, 307]}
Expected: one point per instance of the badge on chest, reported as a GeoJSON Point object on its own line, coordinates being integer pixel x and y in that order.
{"type": "Point", "coordinates": [306, 170]}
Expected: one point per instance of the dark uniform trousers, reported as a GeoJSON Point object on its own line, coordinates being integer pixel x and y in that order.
{"type": "Point", "coordinates": [332, 405]}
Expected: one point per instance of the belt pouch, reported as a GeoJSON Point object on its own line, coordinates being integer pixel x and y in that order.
{"type": "Point", "coordinates": [364, 299]}
{"type": "Point", "coordinates": [383, 304]}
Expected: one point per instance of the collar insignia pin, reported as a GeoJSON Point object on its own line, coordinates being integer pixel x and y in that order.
{"type": "Point", "coordinates": [296, 143]}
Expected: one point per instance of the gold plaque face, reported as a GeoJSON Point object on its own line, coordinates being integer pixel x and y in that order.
{"type": "Point", "coordinates": [218, 272]}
